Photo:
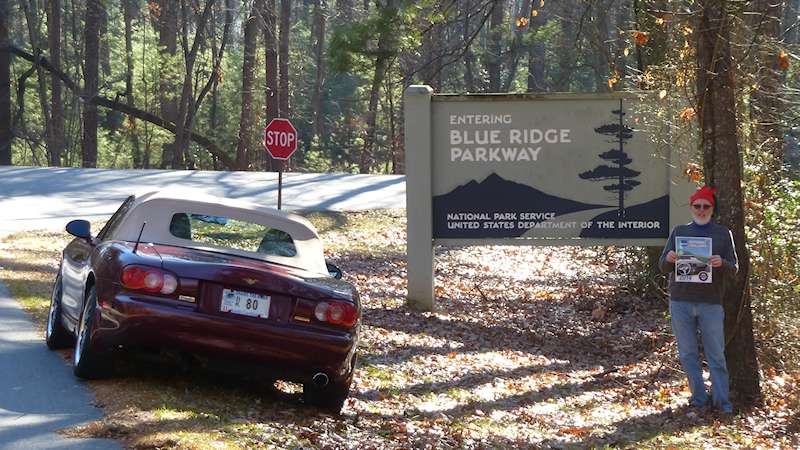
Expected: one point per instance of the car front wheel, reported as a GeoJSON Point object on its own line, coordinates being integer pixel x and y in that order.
{"type": "Point", "coordinates": [56, 336]}
{"type": "Point", "coordinates": [87, 362]}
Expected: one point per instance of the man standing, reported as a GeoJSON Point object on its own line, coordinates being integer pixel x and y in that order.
{"type": "Point", "coordinates": [696, 303]}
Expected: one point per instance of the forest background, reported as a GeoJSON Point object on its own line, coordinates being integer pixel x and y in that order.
{"type": "Point", "coordinates": [189, 84]}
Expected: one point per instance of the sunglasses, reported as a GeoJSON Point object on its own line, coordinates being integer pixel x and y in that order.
{"type": "Point", "coordinates": [701, 206]}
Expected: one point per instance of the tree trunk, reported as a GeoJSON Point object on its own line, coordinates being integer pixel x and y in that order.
{"type": "Point", "coordinates": [536, 56]}
{"type": "Point", "coordinates": [385, 44]}
{"type": "Point", "coordinates": [271, 67]}
{"type": "Point", "coordinates": [469, 56]}
{"type": "Point", "coordinates": [318, 127]}
{"type": "Point", "coordinates": [74, 61]}
{"type": "Point", "coordinates": [516, 44]}
{"type": "Point", "coordinates": [212, 84]}
{"type": "Point", "coordinates": [495, 45]}
{"type": "Point", "coordinates": [213, 113]}
{"type": "Point", "coordinates": [91, 39]}
{"type": "Point", "coordinates": [766, 105]}
{"type": "Point", "coordinates": [637, 15]}
{"type": "Point", "coordinates": [129, 11]}
{"type": "Point", "coordinates": [620, 65]}
{"type": "Point", "coordinates": [187, 105]}
{"type": "Point", "coordinates": [602, 53]}
{"type": "Point", "coordinates": [5, 86]}
{"type": "Point", "coordinates": [344, 11]}
{"type": "Point", "coordinates": [105, 51]}
{"type": "Point", "coordinates": [32, 21]}
{"type": "Point", "coordinates": [790, 26]}
{"type": "Point", "coordinates": [346, 154]}
{"type": "Point", "coordinates": [431, 71]}
{"type": "Point", "coordinates": [366, 160]}
{"type": "Point", "coordinates": [247, 118]}
{"type": "Point", "coordinates": [168, 72]}
{"type": "Point", "coordinates": [393, 138]}
{"type": "Point", "coordinates": [716, 104]}
{"type": "Point", "coordinates": [283, 57]}
{"type": "Point", "coordinates": [193, 104]}
{"type": "Point", "coordinates": [55, 144]}
{"type": "Point", "coordinates": [566, 48]}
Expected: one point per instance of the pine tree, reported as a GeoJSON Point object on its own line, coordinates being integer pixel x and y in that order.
{"type": "Point", "coordinates": [619, 172]}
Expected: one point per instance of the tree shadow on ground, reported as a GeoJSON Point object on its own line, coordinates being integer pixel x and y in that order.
{"type": "Point", "coordinates": [16, 265]}
{"type": "Point", "coordinates": [470, 379]}
{"type": "Point", "coordinates": [632, 432]}
{"type": "Point", "coordinates": [473, 335]}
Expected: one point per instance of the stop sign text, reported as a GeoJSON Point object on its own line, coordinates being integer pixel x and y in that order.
{"type": "Point", "coordinates": [280, 138]}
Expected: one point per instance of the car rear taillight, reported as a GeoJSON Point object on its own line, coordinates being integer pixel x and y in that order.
{"type": "Point", "coordinates": [149, 279]}
{"type": "Point", "coordinates": [337, 313]}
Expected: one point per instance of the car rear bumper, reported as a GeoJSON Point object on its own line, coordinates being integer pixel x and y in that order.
{"type": "Point", "coordinates": [292, 351]}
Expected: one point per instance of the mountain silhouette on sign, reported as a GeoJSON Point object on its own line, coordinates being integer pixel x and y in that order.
{"type": "Point", "coordinates": [493, 195]}
{"type": "Point", "coordinates": [653, 211]}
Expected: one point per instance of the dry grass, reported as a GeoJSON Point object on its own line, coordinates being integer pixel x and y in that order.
{"type": "Point", "coordinates": [28, 263]}
{"type": "Point", "coordinates": [529, 348]}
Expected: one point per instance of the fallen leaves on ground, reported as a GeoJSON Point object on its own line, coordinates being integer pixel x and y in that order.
{"type": "Point", "coordinates": [529, 347]}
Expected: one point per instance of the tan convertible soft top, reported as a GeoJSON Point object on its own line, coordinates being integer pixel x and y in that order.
{"type": "Point", "coordinates": [157, 209]}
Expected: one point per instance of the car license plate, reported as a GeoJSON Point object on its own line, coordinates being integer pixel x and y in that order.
{"type": "Point", "coordinates": [245, 303]}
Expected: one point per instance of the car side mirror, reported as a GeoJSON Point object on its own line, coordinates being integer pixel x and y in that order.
{"type": "Point", "coordinates": [333, 270]}
{"type": "Point", "coordinates": [80, 228]}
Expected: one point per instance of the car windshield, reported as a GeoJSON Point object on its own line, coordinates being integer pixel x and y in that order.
{"type": "Point", "coordinates": [232, 233]}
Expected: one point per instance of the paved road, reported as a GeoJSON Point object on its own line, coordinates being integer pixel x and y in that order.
{"type": "Point", "coordinates": [38, 393]}
{"type": "Point", "coordinates": [47, 198]}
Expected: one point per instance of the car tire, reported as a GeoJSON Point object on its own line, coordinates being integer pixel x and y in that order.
{"type": "Point", "coordinates": [87, 362]}
{"type": "Point", "coordinates": [56, 335]}
{"type": "Point", "coordinates": [330, 398]}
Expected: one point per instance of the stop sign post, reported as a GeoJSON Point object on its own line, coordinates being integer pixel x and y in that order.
{"type": "Point", "coordinates": [280, 140]}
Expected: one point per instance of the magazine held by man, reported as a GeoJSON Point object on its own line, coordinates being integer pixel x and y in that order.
{"type": "Point", "coordinates": [692, 265]}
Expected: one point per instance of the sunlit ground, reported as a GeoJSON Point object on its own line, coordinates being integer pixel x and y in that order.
{"type": "Point", "coordinates": [528, 348]}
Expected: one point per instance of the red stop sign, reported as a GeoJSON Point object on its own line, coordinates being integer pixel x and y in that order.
{"type": "Point", "coordinates": [280, 138]}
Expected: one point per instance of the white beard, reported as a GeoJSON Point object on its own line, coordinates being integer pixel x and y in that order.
{"type": "Point", "coordinates": [700, 221]}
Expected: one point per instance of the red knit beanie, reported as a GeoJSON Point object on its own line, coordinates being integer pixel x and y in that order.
{"type": "Point", "coordinates": [706, 193]}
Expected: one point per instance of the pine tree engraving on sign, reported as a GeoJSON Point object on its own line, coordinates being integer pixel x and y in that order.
{"type": "Point", "coordinates": [618, 172]}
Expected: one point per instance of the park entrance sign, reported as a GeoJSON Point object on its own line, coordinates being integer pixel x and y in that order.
{"type": "Point", "coordinates": [530, 169]}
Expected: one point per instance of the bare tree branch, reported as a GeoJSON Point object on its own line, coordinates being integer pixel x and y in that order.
{"type": "Point", "coordinates": [203, 141]}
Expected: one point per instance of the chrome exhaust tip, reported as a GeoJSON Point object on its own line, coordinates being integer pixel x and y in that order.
{"type": "Point", "coordinates": [320, 379]}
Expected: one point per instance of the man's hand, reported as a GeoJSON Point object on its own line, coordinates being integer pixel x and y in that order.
{"type": "Point", "coordinates": [715, 260]}
{"type": "Point", "coordinates": [672, 256]}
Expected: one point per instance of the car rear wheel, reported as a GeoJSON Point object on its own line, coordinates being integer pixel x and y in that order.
{"type": "Point", "coordinates": [56, 335]}
{"type": "Point", "coordinates": [87, 362]}
{"type": "Point", "coordinates": [330, 398]}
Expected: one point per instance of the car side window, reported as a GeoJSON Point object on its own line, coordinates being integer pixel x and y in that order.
{"type": "Point", "coordinates": [116, 219]}
{"type": "Point", "coordinates": [232, 233]}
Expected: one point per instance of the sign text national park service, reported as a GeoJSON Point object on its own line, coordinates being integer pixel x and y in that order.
{"type": "Point", "coordinates": [557, 168]}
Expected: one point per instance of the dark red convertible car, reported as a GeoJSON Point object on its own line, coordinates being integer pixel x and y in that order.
{"type": "Point", "coordinates": [220, 282]}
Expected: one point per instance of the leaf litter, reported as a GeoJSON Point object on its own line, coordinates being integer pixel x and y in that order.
{"type": "Point", "coordinates": [529, 347]}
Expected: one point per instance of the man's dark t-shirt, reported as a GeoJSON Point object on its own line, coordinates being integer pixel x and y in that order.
{"type": "Point", "coordinates": [721, 244]}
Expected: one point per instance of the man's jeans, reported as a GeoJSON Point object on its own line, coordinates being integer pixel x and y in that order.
{"type": "Point", "coordinates": [687, 318]}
